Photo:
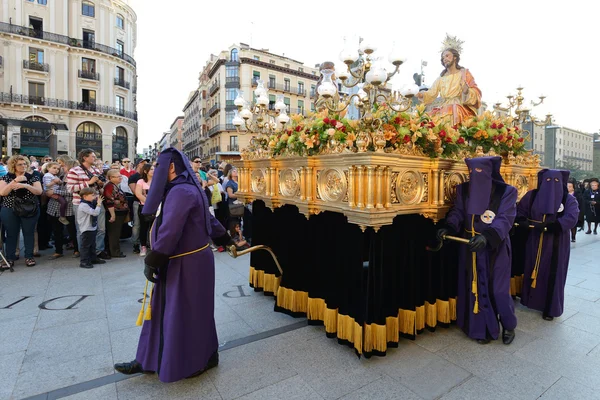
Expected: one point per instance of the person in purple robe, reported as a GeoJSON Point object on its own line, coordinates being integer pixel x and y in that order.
{"type": "Point", "coordinates": [484, 212]}
{"type": "Point", "coordinates": [553, 213]}
{"type": "Point", "coordinates": [180, 339]}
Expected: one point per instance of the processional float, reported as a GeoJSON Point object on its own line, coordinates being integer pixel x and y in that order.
{"type": "Point", "coordinates": [350, 205]}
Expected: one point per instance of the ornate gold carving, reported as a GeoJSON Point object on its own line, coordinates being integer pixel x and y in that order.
{"type": "Point", "coordinates": [258, 181]}
{"type": "Point", "coordinates": [289, 182]}
{"type": "Point", "coordinates": [522, 185]}
{"type": "Point", "coordinates": [332, 185]}
{"type": "Point", "coordinates": [425, 197]}
{"type": "Point", "coordinates": [450, 181]}
{"type": "Point", "coordinates": [345, 199]}
{"type": "Point", "coordinates": [394, 185]}
{"type": "Point", "coordinates": [409, 188]}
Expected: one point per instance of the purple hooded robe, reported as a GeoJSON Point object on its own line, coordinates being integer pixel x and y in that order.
{"type": "Point", "coordinates": [547, 253]}
{"type": "Point", "coordinates": [181, 336]}
{"type": "Point", "coordinates": [484, 276]}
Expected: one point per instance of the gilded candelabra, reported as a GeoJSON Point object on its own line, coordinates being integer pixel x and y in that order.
{"type": "Point", "coordinates": [370, 76]}
{"type": "Point", "coordinates": [522, 111]}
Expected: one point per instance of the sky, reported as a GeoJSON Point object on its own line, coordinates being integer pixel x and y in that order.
{"type": "Point", "coordinates": [547, 47]}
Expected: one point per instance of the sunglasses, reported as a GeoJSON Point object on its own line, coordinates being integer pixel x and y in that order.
{"type": "Point", "coordinates": [197, 162]}
{"type": "Point", "coordinates": [48, 160]}
{"type": "Point", "coordinates": [125, 162]}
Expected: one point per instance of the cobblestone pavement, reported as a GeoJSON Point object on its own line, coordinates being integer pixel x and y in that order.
{"type": "Point", "coordinates": [63, 327]}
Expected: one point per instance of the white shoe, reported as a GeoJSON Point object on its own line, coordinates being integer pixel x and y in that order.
{"type": "Point", "coordinates": [143, 251]}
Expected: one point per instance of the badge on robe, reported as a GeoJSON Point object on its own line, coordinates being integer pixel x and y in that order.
{"type": "Point", "coordinates": [561, 208]}
{"type": "Point", "coordinates": [488, 217]}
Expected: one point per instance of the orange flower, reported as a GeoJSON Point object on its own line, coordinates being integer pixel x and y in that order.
{"type": "Point", "coordinates": [310, 143]}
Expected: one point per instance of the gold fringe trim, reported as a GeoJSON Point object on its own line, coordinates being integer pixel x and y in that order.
{"type": "Point", "coordinates": [316, 309]}
{"type": "Point", "coordinates": [392, 329]}
{"type": "Point", "coordinates": [431, 318]}
{"type": "Point", "coordinates": [443, 311]}
{"type": "Point", "coordinates": [452, 309]}
{"type": "Point", "coordinates": [375, 338]}
{"type": "Point", "coordinates": [406, 322]}
{"type": "Point", "coordinates": [267, 282]}
{"type": "Point", "coordinates": [516, 285]}
{"type": "Point", "coordinates": [330, 320]}
{"type": "Point", "coordinates": [295, 301]}
{"type": "Point", "coordinates": [350, 330]}
{"type": "Point", "coordinates": [420, 322]}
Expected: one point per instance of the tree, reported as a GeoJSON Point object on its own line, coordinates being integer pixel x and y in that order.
{"type": "Point", "coordinates": [576, 172]}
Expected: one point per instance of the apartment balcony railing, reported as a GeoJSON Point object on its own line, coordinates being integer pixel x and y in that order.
{"type": "Point", "coordinates": [230, 127]}
{"type": "Point", "coordinates": [283, 88]}
{"type": "Point", "coordinates": [214, 88]}
{"type": "Point", "coordinates": [35, 66]}
{"type": "Point", "coordinates": [232, 82]}
{"type": "Point", "coordinates": [233, 147]}
{"type": "Point", "coordinates": [134, 90]}
{"type": "Point", "coordinates": [122, 83]}
{"type": "Point", "coordinates": [56, 38]}
{"type": "Point", "coordinates": [214, 109]}
{"type": "Point", "coordinates": [65, 104]}
{"type": "Point", "coordinates": [89, 75]}
{"type": "Point", "coordinates": [214, 129]}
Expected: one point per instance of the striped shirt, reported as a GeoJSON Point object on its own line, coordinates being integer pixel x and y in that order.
{"type": "Point", "coordinates": [77, 179]}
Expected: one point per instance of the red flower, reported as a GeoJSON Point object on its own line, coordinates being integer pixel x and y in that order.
{"type": "Point", "coordinates": [500, 126]}
{"type": "Point", "coordinates": [442, 133]}
{"type": "Point", "coordinates": [520, 140]}
{"type": "Point", "coordinates": [509, 137]}
{"type": "Point", "coordinates": [460, 140]}
{"type": "Point", "coordinates": [455, 127]}
{"type": "Point", "coordinates": [423, 123]}
{"type": "Point", "coordinates": [326, 120]}
{"type": "Point", "coordinates": [494, 138]}
{"type": "Point", "coordinates": [332, 122]}
{"type": "Point", "coordinates": [343, 129]}
{"type": "Point", "coordinates": [500, 137]}
{"type": "Point", "coordinates": [298, 128]}
{"type": "Point", "coordinates": [494, 126]}
{"type": "Point", "coordinates": [406, 139]}
{"type": "Point", "coordinates": [431, 124]}
{"type": "Point", "coordinates": [517, 128]}
{"type": "Point", "coordinates": [397, 120]}
{"type": "Point", "coordinates": [448, 139]}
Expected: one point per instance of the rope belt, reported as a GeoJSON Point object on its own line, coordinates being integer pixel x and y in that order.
{"type": "Point", "coordinates": [538, 258]}
{"type": "Point", "coordinates": [474, 256]}
{"type": "Point", "coordinates": [147, 314]}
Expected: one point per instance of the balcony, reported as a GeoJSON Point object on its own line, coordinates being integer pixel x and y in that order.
{"type": "Point", "coordinates": [123, 83]}
{"type": "Point", "coordinates": [62, 39]}
{"type": "Point", "coordinates": [301, 92]}
{"type": "Point", "coordinates": [214, 88]}
{"type": "Point", "coordinates": [214, 130]}
{"type": "Point", "coordinates": [214, 109]}
{"type": "Point", "coordinates": [232, 82]}
{"type": "Point", "coordinates": [89, 75]}
{"type": "Point", "coordinates": [233, 147]}
{"type": "Point", "coordinates": [35, 66]}
{"type": "Point", "coordinates": [65, 104]}
{"type": "Point", "coordinates": [230, 127]}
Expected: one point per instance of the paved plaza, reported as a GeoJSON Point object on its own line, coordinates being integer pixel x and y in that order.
{"type": "Point", "coordinates": [62, 329]}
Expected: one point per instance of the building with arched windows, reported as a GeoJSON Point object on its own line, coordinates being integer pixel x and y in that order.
{"type": "Point", "coordinates": [68, 78]}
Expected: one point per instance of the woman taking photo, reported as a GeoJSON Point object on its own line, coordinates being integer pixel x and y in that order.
{"type": "Point", "coordinates": [20, 207]}
{"type": "Point", "coordinates": [141, 191]}
{"type": "Point", "coordinates": [116, 204]}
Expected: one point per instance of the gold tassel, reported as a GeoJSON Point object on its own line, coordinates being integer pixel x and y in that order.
{"type": "Point", "coordinates": [452, 302]}
{"type": "Point", "coordinates": [148, 314]}
{"type": "Point", "coordinates": [538, 259]}
{"type": "Point", "coordinates": [474, 283]}
{"type": "Point", "coordinates": [140, 317]}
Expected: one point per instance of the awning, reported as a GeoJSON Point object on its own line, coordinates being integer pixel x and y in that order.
{"type": "Point", "coordinates": [33, 124]}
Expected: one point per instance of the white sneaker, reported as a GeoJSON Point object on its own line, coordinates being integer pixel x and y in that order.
{"type": "Point", "coordinates": [143, 251]}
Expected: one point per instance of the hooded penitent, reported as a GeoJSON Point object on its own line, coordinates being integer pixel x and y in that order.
{"type": "Point", "coordinates": [483, 171]}
{"type": "Point", "coordinates": [552, 187]}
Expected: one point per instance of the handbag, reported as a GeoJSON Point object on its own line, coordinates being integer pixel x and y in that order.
{"type": "Point", "coordinates": [215, 197]}
{"type": "Point", "coordinates": [25, 208]}
{"type": "Point", "coordinates": [236, 209]}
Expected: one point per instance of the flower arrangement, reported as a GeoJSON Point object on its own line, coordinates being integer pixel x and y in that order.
{"type": "Point", "coordinates": [416, 132]}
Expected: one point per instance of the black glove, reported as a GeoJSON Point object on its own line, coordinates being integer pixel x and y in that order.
{"type": "Point", "coordinates": [149, 272]}
{"type": "Point", "coordinates": [477, 242]}
{"type": "Point", "coordinates": [547, 226]}
{"type": "Point", "coordinates": [224, 240]}
{"type": "Point", "coordinates": [522, 223]}
{"type": "Point", "coordinates": [441, 233]}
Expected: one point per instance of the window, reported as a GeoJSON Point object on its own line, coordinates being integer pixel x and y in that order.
{"type": "Point", "coordinates": [301, 69]}
{"type": "Point", "coordinates": [271, 81]}
{"type": "Point", "coordinates": [312, 107]}
{"type": "Point", "coordinates": [300, 106]}
{"type": "Point", "coordinates": [257, 58]}
{"type": "Point", "coordinates": [229, 117]}
{"type": "Point", "coordinates": [120, 21]}
{"type": "Point", "coordinates": [88, 9]}
{"type": "Point", "coordinates": [301, 88]}
{"type": "Point", "coordinates": [88, 65]}
{"type": "Point", "coordinates": [90, 131]}
{"type": "Point", "coordinates": [272, 102]}
{"type": "Point", "coordinates": [120, 105]}
{"type": "Point", "coordinates": [230, 95]}
{"type": "Point", "coordinates": [233, 143]}
{"type": "Point", "coordinates": [255, 76]}
{"type": "Point", "coordinates": [234, 55]}
{"type": "Point", "coordinates": [36, 56]}
{"type": "Point", "coordinates": [120, 74]}
{"type": "Point", "coordinates": [313, 89]}
{"type": "Point", "coordinates": [36, 93]}
{"type": "Point", "coordinates": [286, 100]}
{"type": "Point", "coordinates": [120, 48]}
{"type": "Point", "coordinates": [272, 62]}
{"type": "Point", "coordinates": [43, 2]}
{"type": "Point", "coordinates": [88, 97]}
{"type": "Point", "coordinates": [231, 71]}
{"type": "Point", "coordinates": [89, 37]}
{"type": "Point", "coordinates": [286, 65]}
{"type": "Point", "coordinates": [286, 85]}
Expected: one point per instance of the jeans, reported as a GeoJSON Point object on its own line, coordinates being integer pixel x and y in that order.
{"type": "Point", "coordinates": [87, 247]}
{"type": "Point", "coordinates": [135, 232]}
{"type": "Point", "coordinates": [13, 225]}
{"type": "Point", "coordinates": [101, 233]}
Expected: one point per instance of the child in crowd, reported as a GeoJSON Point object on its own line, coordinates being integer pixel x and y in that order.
{"type": "Point", "coordinates": [238, 238]}
{"type": "Point", "coordinates": [51, 180]}
{"type": "Point", "coordinates": [87, 219]}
